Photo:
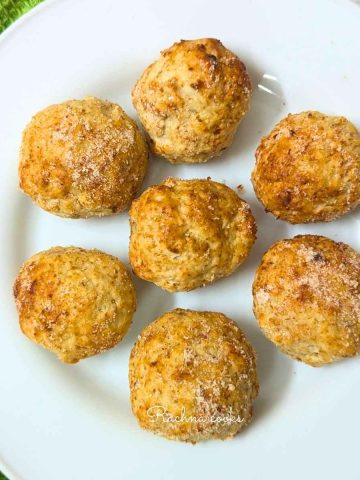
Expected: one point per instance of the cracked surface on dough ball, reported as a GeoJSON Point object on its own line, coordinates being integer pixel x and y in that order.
{"type": "Point", "coordinates": [189, 364]}
{"type": "Point", "coordinates": [308, 168]}
{"type": "Point", "coordinates": [82, 158]}
{"type": "Point", "coordinates": [307, 298]}
{"type": "Point", "coordinates": [191, 100]}
{"type": "Point", "coordinates": [188, 233]}
{"type": "Point", "coordinates": [74, 302]}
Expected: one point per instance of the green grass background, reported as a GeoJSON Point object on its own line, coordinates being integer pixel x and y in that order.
{"type": "Point", "coordinates": [10, 10]}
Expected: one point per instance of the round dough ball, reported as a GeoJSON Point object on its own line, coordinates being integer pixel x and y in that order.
{"type": "Point", "coordinates": [307, 298]}
{"type": "Point", "coordinates": [82, 158]}
{"type": "Point", "coordinates": [74, 302]}
{"type": "Point", "coordinates": [192, 99]}
{"type": "Point", "coordinates": [193, 377]}
{"type": "Point", "coordinates": [308, 168]}
{"type": "Point", "coordinates": [188, 233]}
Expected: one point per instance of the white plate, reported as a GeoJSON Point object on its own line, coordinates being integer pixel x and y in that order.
{"type": "Point", "coordinates": [74, 422]}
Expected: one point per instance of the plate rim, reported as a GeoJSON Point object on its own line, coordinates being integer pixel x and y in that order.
{"type": "Point", "coordinates": [5, 468]}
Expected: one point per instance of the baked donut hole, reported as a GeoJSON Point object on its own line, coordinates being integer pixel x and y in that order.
{"type": "Point", "coordinates": [74, 302]}
{"type": "Point", "coordinates": [308, 168]}
{"type": "Point", "coordinates": [192, 99]}
{"type": "Point", "coordinates": [307, 299]}
{"type": "Point", "coordinates": [82, 158]}
{"type": "Point", "coordinates": [193, 377]}
{"type": "Point", "coordinates": [189, 233]}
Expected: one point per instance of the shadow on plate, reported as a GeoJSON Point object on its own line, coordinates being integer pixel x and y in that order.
{"type": "Point", "coordinates": [152, 302]}
{"type": "Point", "coordinates": [267, 106]}
{"type": "Point", "coordinates": [274, 370]}
{"type": "Point", "coordinates": [84, 385]}
{"type": "Point", "coordinates": [18, 233]}
{"type": "Point", "coordinates": [269, 230]}
{"type": "Point", "coordinates": [159, 170]}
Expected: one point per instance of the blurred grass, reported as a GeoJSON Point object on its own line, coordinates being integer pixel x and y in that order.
{"type": "Point", "coordinates": [10, 10]}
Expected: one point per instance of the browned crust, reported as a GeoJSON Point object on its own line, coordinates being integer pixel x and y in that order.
{"type": "Point", "coordinates": [307, 298]}
{"type": "Point", "coordinates": [74, 302]}
{"type": "Point", "coordinates": [308, 168]}
{"type": "Point", "coordinates": [191, 100]}
{"type": "Point", "coordinates": [188, 233]}
{"type": "Point", "coordinates": [199, 363]}
{"type": "Point", "coordinates": [82, 158]}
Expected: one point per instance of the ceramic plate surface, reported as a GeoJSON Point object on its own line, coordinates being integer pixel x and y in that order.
{"type": "Point", "coordinates": [74, 422]}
